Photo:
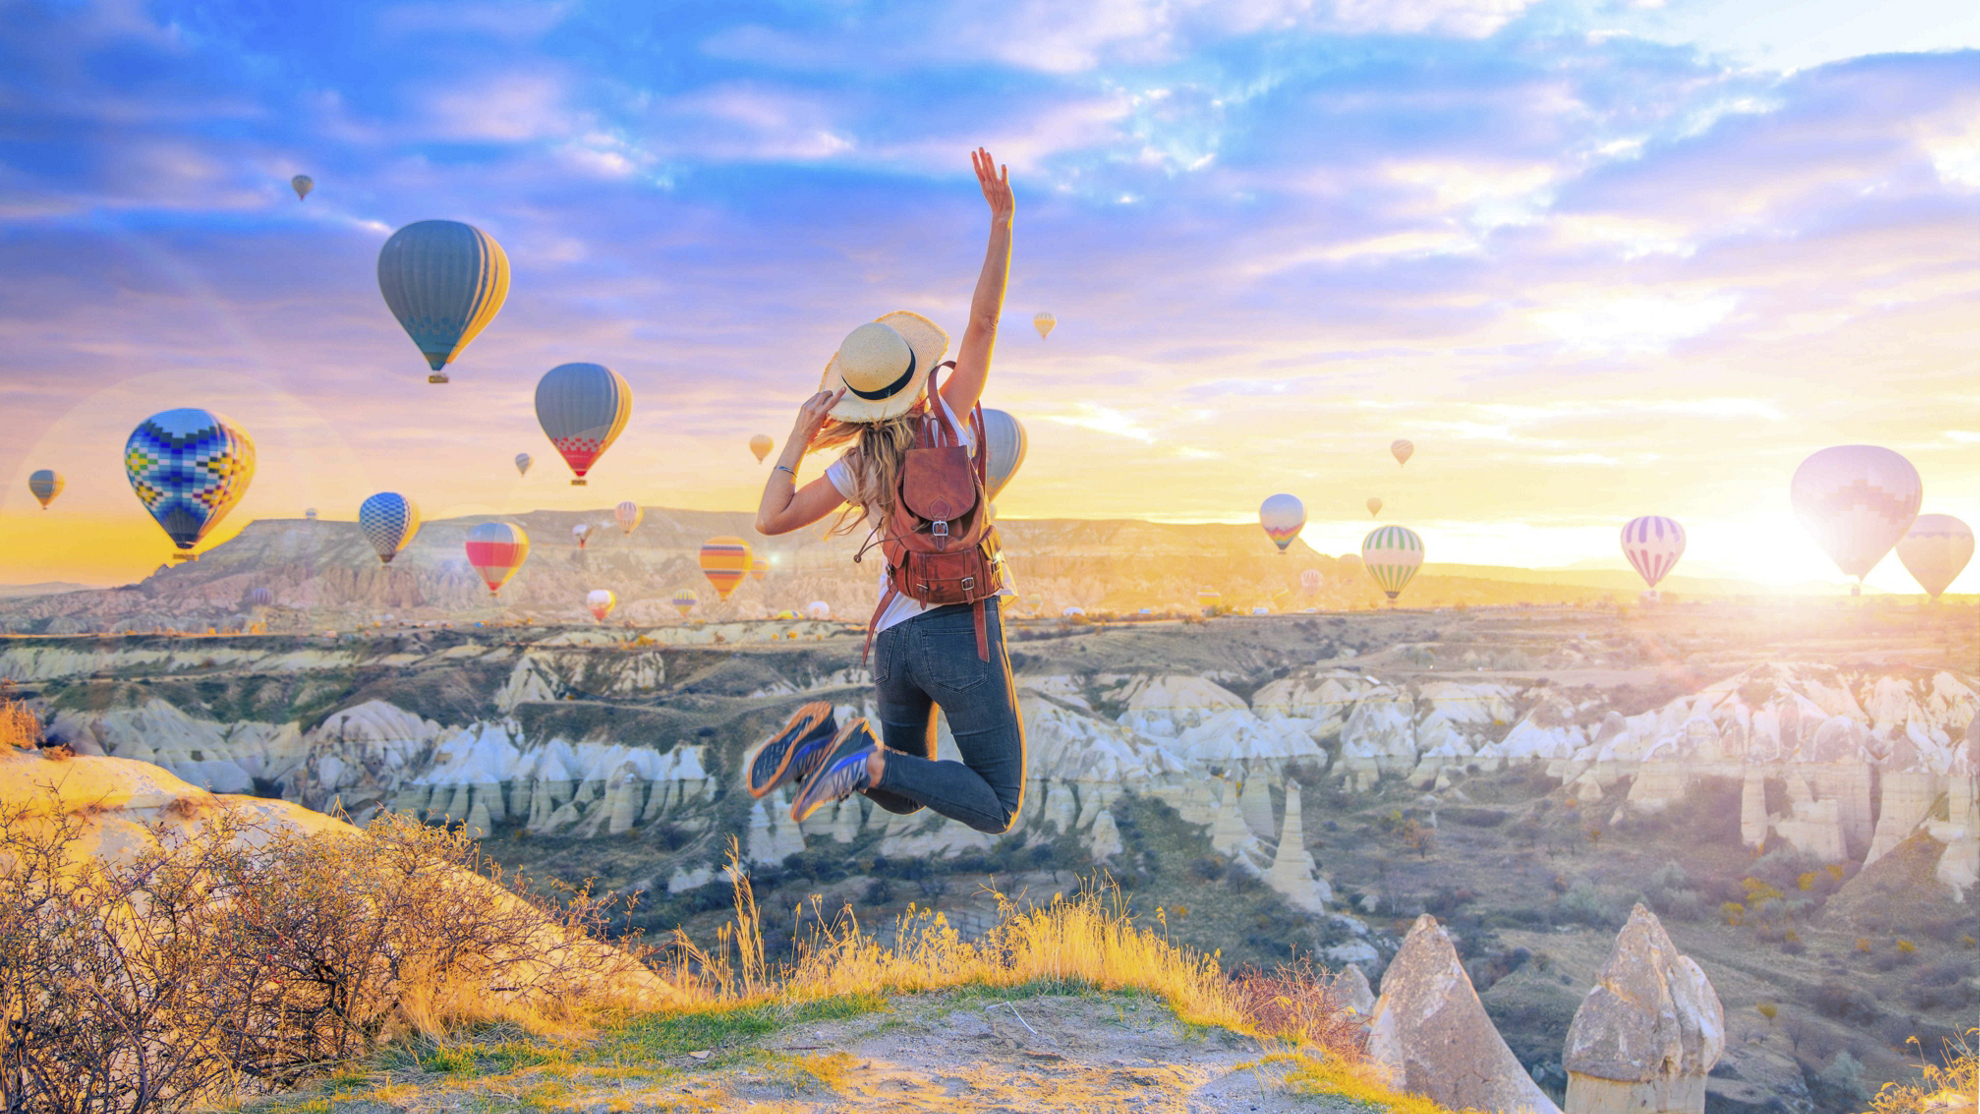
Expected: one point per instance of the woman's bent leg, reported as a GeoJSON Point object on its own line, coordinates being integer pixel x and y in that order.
{"type": "Point", "coordinates": [906, 714]}
{"type": "Point", "coordinates": [986, 788]}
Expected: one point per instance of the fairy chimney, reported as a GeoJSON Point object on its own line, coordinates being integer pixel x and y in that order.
{"type": "Point", "coordinates": [1645, 1037]}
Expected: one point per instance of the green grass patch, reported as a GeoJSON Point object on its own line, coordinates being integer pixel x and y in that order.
{"type": "Point", "coordinates": [658, 1036]}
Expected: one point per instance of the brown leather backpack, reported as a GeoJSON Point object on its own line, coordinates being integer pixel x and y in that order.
{"type": "Point", "coordinates": [938, 541]}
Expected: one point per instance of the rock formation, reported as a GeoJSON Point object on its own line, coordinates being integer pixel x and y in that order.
{"type": "Point", "coordinates": [1293, 871]}
{"type": "Point", "coordinates": [1431, 1032]}
{"type": "Point", "coordinates": [1647, 1034]}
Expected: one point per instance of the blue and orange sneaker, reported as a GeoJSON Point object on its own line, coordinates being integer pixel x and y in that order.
{"type": "Point", "coordinates": [842, 773]}
{"type": "Point", "coordinates": [795, 752]}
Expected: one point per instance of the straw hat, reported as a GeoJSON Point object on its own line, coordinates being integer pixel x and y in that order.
{"type": "Point", "coordinates": [884, 366]}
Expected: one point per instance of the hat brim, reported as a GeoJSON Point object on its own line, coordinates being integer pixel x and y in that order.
{"type": "Point", "coordinates": [929, 343]}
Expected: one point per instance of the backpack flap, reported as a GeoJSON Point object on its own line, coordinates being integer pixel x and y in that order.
{"type": "Point", "coordinates": [938, 485]}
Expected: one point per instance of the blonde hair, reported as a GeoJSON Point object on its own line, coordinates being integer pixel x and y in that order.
{"type": "Point", "coordinates": [879, 451]}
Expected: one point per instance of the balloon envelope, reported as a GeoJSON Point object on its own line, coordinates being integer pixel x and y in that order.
{"type": "Point", "coordinates": [1857, 501]}
{"type": "Point", "coordinates": [1310, 581]}
{"type": "Point", "coordinates": [523, 462]}
{"type": "Point", "coordinates": [628, 515]}
{"type": "Point", "coordinates": [1653, 545]}
{"type": "Point", "coordinates": [1004, 437]}
{"type": "Point", "coordinates": [260, 597]}
{"type": "Point", "coordinates": [580, 533]}
{"type": "Point", "coordinates": [759, 567]}
{"type": "Point", "coordinates": [601, 601]}
{"type": "Point", "coordinates": [1401, 450]}
{"type": "Point", "coordinates": [1392, 554]}
{"type": "Point", "coordinates": [1935, 551]}
{"type": "Point", "coordinates": [761, 444]}
{"type": "Point", "coordinates": [302, 184]}
{"type": "Point", "coordinates": [444, 281]}
{"type": "Point", "coordinates": [583, 408]}
{"type": "Point", "coordinates": [309, 514]}
{"type": "Point", "coordinates": [1282, 516]}
{"type": "Point", "coordinates": [725, 561]}
{"type": "Point", "coordinates": [684, 601]}
{"type": "Point", "coordinates": [497, 550]}
{"type": "Point", "coordinates": [45, 484]}
{"type": "Point", "coordinates": [818, 609]}
{"type": "Point", "coordinates": [1043, 322]}
{"type": "Point", "coordinates": [189, 467]}
{"type": "Point", "coordinates": [389, 521]}
{"type": "Point", "coordinates": [1374, 506]}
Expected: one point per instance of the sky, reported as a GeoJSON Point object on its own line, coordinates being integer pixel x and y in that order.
{"type": "Point", "coordinates": [1596, 259]}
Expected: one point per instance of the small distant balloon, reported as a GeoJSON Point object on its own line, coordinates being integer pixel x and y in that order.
{"type": "Point", "coordinates": [1282, 516]}
{"type": "Point", "coordinates": [1070, 612]}
{"type": "Point", "coordinates": [1044, 323]}
{"type": "Point", "coordinates": [1392, 554]}
{"type": "Point", "coordinates": [389, 522]}
{"type": "Point", "coordinates": [189, 467]}
{"type": "Point", "coordinates": [523, 462]}
{"type": "Point", "coordinates": [1935, 551]}
{"type": "Point", "coordinates": [818, 609]}
{"type": "Point", "coordinates": [497, 550]}
{"type": "Point", "coordinates": [309, 514]}
{"type": "Point", "coordinates": [1653, 545]}
{"type": "Point", "coordinates": [581, 533]}
{"type": "Point", "coordinates": [1857, 501]}
{"type": "Point", "coordinates": [1401, 450]}
{"type": "Point", "coordinates": [302, 184]}
{"type": "Point", "coordinates": [444, 281]}
{"type": "Point", "coordinates": [1003, 436]}
{"type": "Point", "coordinates": [725, 561]}
{"type": "Point", "coordinates": [628, 515]}
{"type": "Point", "coordinates": [761, 444]}
{"type": "Point", "coordinates": [1374, 506]}
{"type": "Point", "coordinates": [583, 408]}
{"type": "Point", "coordinates": [260, 597]}
{"type": "Point", "coordinates": [684, 601]}
{"type": "Point", "coordinates": [1309, 581]}
{"type": "Point", "coordinates": [759, 567]}
{"type": "Point", "coordinates": [45, 484]}
{"type": "Point", "coordinates": [601, 601]}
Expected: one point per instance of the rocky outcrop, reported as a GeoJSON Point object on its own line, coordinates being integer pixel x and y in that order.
{"type": "Point", "coordinates": [1645, 1037]}
{"type": "Point", "coordinates": [1293, 872]}
{"type": "Point", "coordinates": [1432, 1035]}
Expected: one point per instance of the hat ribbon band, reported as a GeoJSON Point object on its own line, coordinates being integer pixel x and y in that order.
{"type": "Point", "coordinates": [890, 389]}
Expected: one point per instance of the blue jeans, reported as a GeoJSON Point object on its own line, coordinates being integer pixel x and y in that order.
{"type": "Point", "coordinates": [931, 660]}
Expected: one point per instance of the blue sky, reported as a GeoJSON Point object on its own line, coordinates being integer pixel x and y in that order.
{"type": "Point", "coordinates": [1597, 260]}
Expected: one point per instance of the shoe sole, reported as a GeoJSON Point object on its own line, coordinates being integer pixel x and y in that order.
{"type": "Point", "coordinates": [804, 723]}
{"type": "Point", "coordinates": [816, 793]}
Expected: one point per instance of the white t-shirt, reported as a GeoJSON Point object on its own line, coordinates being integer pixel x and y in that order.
{"type": "Point", "coordinates": [902, 607]}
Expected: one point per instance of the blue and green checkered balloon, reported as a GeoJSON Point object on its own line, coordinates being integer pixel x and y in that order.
{"type": "Point", "coordinates": [189, 467]}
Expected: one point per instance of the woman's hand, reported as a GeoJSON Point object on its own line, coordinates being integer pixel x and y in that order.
{"type": "Point", "coordinates": [996, 183]}
{"type": "Point", "coordinates": [813, 415]}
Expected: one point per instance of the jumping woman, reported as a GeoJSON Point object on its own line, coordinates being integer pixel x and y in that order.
{"type": "Point", "coordinates": [913, 472]}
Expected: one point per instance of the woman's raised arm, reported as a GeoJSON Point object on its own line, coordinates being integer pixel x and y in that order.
{"type": "Point", "coordinates": [965, 383]}
{"type": "Point", "coordinates": [784, 507]}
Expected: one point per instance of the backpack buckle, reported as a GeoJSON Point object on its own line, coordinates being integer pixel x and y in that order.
{"type": "Point", "coordinates": [969, 583]}
{"type": "Point", "coordinates": [939, 528]}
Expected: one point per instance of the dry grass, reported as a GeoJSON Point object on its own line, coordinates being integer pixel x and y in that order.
{"type": "Point", "coordinates": [1945, 1088]}
{"type": "Point", "coordinates": [19, 727]}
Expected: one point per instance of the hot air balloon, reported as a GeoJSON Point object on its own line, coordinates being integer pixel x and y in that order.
{"type": "Point", "coordinates": [1282, 516]}
{"type": "Point", "coordinates": [818, 609]}
{"type": "Point", "coordinates": [1401, 450]}
{"type": "Point", "coordinates": [523, 462]}
{"type": "Point", "coordinates": [1207, 598]}
{"type": "Point", "coordinates": [497, 550]}
{"type": "Point", "coordinates": [189, 467]}
{"type": "Point", "coordinates": [1073, 612]}
{"type": "Point", "coordinates": [1392, 554]}
{"type": "Point", "coordinates": [45, 484]}
{"type": "Point", "coordinates": [389, 521]}
{"type": "Point", "coordinates": [444, 281]}
{"type": "Point", "coordinates": [761, 444]}
{"type": "Point", "coordinates": [1653, 545]}
{"type": "Point", "coordinates": [628, 515]}
{"type": "Point", "coordinates": [1857, 500]}
{"type": "Point", "coordinates": [260, 597]}
{"type": "Point", "coordinates": [724, 561]}
{"type": "Point", "coordinates": [1043, 322]}
{"type": "Point", "coordinates": [309, 514]}
{"type": "Point", "coordinates": [684, 601]}
{"type": "Point", "coordinates": [581, 533]}
{"type": "Point", "coordinates": [1005, 439]}
{"type": "Point", "coordinates": [1374, 506]}
{"type": "Point", "coordinates": [302, 184]}
{"type": "Point", "coordinates": [1935, 550]}
{"type": "Point", "coordinates": [582, 408]}
{"type": "Point", "coordinates": [759, 568]}
{"type": "Point", "coordinates": [601, 602]}
{"type": "Point", "coordinates": [1309, 581]}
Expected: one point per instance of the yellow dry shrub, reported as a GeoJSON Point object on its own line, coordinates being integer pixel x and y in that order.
{"type": "Point", "coordinates": [19, 728]}
{"type": "Point", "coordinates": [1942, 1088]}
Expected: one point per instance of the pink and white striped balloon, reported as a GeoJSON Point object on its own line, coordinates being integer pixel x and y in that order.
{"type": "Point", "coordinates": [1653, 545]}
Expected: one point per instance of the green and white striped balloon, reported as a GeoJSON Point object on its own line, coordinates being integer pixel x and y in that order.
{"type": "Point", "coordinates": [1392, 554]}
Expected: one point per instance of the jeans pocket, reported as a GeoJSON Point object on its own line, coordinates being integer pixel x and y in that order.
{"type": "Point", "coordinates": [946, 654]}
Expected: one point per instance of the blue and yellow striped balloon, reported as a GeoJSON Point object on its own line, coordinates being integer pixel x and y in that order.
{"type": "Point", "coordinates": [189, 467]}
{"type": "Point", "coordinates": [1392, 554]}
{"type": "Point", "coordinates": [45, 484]}
{"type": "Point", "coordinates": [444, 281]}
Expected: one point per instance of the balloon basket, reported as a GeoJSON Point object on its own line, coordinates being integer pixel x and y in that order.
{"type": "Point", "coordinates": [438, 377]}
{"type": "Point", "coordinates": [185, 557]}
{"type": "Point", "coordinates": [578, 483]}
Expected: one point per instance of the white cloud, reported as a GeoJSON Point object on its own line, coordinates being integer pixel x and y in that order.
{"type": "Point", "coordinates": [1636, 323]}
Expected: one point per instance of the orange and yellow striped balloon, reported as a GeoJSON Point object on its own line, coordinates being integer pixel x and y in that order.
{"type": "Point", "coordinates": [725, 561]}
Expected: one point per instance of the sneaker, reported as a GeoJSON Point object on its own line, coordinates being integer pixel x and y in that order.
{"type": "Point", "coordinates": [842, 772]}
{"type": "Point", "coordinates": [793, 753]}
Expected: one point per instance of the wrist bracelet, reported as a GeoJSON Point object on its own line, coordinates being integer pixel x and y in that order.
{"type": "Point", "coordinates": [792, 471]}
